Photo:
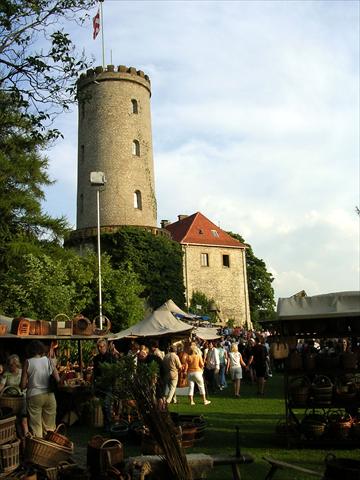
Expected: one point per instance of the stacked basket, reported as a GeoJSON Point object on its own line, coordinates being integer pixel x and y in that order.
{"type": "Point", "coordinates": [9, 444]}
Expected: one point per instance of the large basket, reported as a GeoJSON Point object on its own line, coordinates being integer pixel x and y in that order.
{"type": "Point", "coordinates": [59, 438]}
{"type": "Point", "coordinates": [45, 453]}
{"type": "Point", "coordinates": [14, 402]}
{"type": "Point", "coordinates": [106, 325]}
{"type": "Point", "coordinates": [322, 389]}
{"type": "Point", "coordinates": [299, 389]}
{"type": "Point", "coordinates": [9, 457]}
{"type": "Point", "coordinates": [340, 424]}
{"type": "Point", "coordinates": [7, 430]}
{"type": "Point", "coordinates": [102, 453]}
{"type": "Point", "coordinates": [313, 425]}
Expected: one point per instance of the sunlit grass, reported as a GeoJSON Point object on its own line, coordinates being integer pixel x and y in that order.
{"type": "Point", "coordinates": [257, 419]}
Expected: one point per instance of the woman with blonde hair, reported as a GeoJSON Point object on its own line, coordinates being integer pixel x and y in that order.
{"type": "Point", "coordinates": [234, 364]}
{"type": "Point", "coordinates": [194, 368]}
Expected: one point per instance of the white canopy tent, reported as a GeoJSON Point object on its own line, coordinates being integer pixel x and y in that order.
{"type": "Point", "coordinates": [338, 304]}
{"type": "Point", "coordinates": [206, 333]}
{"type": "Point", "coordinates": [159, 323]}
{"type": "Point", "coordinates": [171, 306]}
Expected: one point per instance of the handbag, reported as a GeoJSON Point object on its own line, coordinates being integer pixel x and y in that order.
{"type": "Point", "coordinates": [53, 384]}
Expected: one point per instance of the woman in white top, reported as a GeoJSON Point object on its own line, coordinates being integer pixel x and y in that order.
{"type": "Point", "coordinates": [41, 402]}
{"type": "Point", "coordinates": [12, 378]}
{"type": "Point", "coordinates": [234, 364]}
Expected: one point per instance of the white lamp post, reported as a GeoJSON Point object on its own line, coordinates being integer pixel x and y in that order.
{"type": "Point", "coordinates": [97, 179]}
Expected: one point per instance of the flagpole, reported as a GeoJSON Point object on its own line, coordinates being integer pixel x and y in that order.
{"type": "Point", "coordinates": [102, 33]}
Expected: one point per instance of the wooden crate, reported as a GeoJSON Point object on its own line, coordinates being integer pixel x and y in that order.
{"type": "Point", "coordinates": [39, 327]}
{"type": "Point", "coordinates": [61, 327]}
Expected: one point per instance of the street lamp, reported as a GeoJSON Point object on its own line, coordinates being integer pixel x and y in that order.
{"type": "Point", "coordinates": [97, 179]}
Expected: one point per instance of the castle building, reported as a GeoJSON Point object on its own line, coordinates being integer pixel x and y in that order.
{"type": "Point", "coordinates": [214, 263]}
{"type": "Point", "coordinates": [114, 137]}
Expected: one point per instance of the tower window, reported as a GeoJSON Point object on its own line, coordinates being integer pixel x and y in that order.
{"type": "Point", "coordinates": [135, 108]}
{"type": "Point", "coordinates": [204, 259]}
{"type": "Point", "coordinates": [226, 261]}
{"type": "Point", "coordinates": [136, 148]}
{"type": "Point", "coordinates": [82, 107]}
{"type": "Point", "coordinates": [137, 200]}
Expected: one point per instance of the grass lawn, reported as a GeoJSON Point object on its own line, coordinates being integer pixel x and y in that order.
{"type": "Point", "coordinates": [256, 418]}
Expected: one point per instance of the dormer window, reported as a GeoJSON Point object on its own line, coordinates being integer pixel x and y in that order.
{"type": "Point", "coordinates": [215, 233]}
{"type": "Point", "coordinates": [136, 148]}
{"type": "Point", "coordinates": [135, 108]}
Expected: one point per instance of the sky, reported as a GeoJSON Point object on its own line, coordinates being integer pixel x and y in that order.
{"type": "Point", "coordinates": [255, 121]}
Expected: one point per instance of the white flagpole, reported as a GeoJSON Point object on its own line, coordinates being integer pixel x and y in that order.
{"type": "Point", "coordinates": [102, 33]}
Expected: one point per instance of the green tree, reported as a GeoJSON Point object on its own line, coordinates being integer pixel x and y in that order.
{"type": "Point", "coordinates": [157, 261]}
{"type": "Point", "coordinates": [39, 64]}
{"type": "Point", "coordinates": [261, 292]}
{"type": "Point", "coordinates": [24, 227]}
{"type": "Point", "coordinates": [42, 287]}
{"type": "Point", "coordinates": [206, 305]}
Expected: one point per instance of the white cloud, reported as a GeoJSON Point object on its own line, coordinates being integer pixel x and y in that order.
{"type": "Point", "coordinates": [255, 113]}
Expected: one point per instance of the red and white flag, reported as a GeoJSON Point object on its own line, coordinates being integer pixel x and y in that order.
{"type": "Point", "coordinates": [96, 24]}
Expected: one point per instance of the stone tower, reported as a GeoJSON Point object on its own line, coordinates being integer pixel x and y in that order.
{"type": "Point", "coordinates": [115, 138]}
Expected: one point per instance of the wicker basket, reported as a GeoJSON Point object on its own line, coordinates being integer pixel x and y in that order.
{"type": "Point", "coordinates": [106, 325]}
{"type": "Point", "coordinates": [61, 325]}
{"type": "Point", "coordinates": [82, 326]}
{"type": "Point", "coordinates": [299, 390]}
{"type": "Point", "coordinates": [58, 438]}
{"type": "Point", "coordinates": [7, 430]}
{"type": "Point", "coordinates": [102, 453]}
{"type": "Point", "coordinates": [340, 424]}
{"type": "Point", "coordinates": [45, 453]}
{"type": "Point", "coordinates": [322, 389]}
{"type": "Point", "coordinates": [20, 326]}
{"type": "Point", "coordinates": [9, 457]}
{"type": "Point", "coordinates": [3, 329]}
{"type": "Point", "coordinates": [15, 403]}
{"type": "Point", "coordinates": [313, 425]}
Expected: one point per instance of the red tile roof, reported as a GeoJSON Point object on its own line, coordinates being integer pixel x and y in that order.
{"type": "Point", "coordinates": [198, 230]}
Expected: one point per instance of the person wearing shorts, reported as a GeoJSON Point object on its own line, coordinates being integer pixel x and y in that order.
{"type": "Point", "coordinates": [235, 364]}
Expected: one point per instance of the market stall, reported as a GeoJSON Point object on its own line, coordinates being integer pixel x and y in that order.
{"type": "Point", "coordinates": [322, 379]}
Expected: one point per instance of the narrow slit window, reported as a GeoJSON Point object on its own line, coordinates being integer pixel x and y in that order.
{"type": "Point", "coordinates": [137, 200]}
{"type": "Point", "coordinates": [135, 107]}
{"type": "Point", "coordinates": [226, 261]}
{"type": "Point", "coordinates": [81, 203]}
{"type": "Point", "coordinates": [136, 148]}
{"type": "Point", "coordinates": [204, 259]}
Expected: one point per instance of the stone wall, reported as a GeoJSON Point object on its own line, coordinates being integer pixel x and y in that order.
{"type": "Point", "coordinates": [107, 128]}
{"type": "Point", "coordinates": [226, 285]}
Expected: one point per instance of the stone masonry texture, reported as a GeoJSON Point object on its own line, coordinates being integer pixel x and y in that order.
{"type": "Point", "coordinates": [107, 129]}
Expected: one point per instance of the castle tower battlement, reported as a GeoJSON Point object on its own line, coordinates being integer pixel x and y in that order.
{"type": "Point", "coordinates": [114, 137]}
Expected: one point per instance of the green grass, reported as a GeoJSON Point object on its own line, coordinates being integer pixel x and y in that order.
{"type": "Point", "coordinates": [257, 419]}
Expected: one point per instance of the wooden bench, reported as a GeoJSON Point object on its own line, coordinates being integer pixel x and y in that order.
{"type": "Point", "coordinates": [278, 464]}
{"type": "Point", "coordinates": [199, 463]}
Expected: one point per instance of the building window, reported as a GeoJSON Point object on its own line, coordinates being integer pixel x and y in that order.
{"type": "Point", "coordinates": [214, 233]}
{"type": "Point", "coordinates": [136, 148]}
{"type": "Point", "coordinates": [82, 153]}
{"type": "Point", "coordinates": [135, 108]}
{"type": "Point", "coordinates": [201, 231]}
{"type": "Point", "coordinates": [204, 259]}
{"type": "Point", "coordinates": [137, 200]}
{"type": "Point", "coordinates": [226, 261]}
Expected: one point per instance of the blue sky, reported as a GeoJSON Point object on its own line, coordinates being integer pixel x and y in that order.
{"type": "Point", "coordinates": [255, 118]}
